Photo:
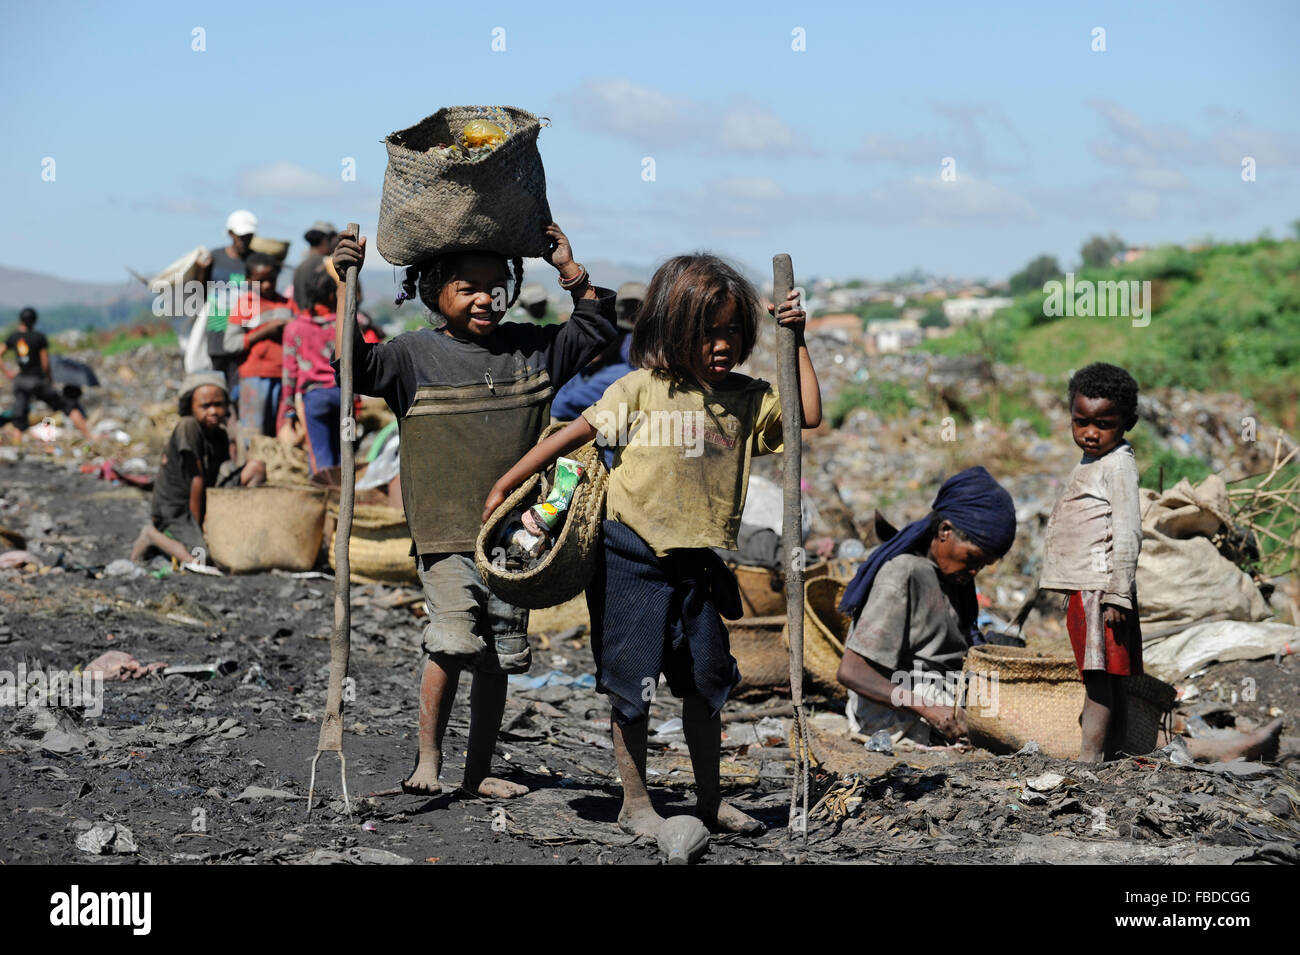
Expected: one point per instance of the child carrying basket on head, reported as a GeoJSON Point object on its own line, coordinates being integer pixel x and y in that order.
{"type": "Point", "coordinates": [684, 427]}
{"type": "Point", "coordinates": [471, 395]}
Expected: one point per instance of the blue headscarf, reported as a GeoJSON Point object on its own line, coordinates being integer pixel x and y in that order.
{"type": "Point", "coordinates": [974, 503]}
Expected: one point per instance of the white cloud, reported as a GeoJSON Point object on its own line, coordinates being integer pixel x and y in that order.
{"type": "Point", "coordinates": [287, 180]}
{"type": "Point", "coordinates": [174, 205]}
{"type": "Point", "coordinates": [749, 128]}
{"type": "Point", "coordinates": [621, 108]}
{"type": "Point", "coordinates": [750, 187]}
{"type": "Point", "coordinates": [886, 147]}
{"type": "Point", "coordinates": [968, 131]}
{"type": "Point", "coordinates": [929, 201]}
{"type": "Point", "coordinates": [1134, 142]}
{"type": "Point", "coordinates": [654, 119]}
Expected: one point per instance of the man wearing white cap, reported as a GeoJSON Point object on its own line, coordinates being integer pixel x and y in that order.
{"type": "Point", "coordinates": [226, 266]}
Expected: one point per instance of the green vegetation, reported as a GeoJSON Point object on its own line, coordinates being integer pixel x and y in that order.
{"type": "Point", "coordinates": [1224, 318]}
{"type": "Point", "coordinates": [83, 317]}
{"type": "Point", "coordinates": [1097, 252]}
{"type": "Point", "coordinates": [1032, 276]}
{"type": "Point", "coordinates": [934, 317]}
{"type": "Point", "coordinates": [889, 399]}
{"type": "Point", "coordinates": [874, 310]}
{"type": "Point", "coordinates": [1152, 458]}
{"type": "Point", "coordinates": [125, 341]}
{"type": "Point", "coordinates": [1004, 407]}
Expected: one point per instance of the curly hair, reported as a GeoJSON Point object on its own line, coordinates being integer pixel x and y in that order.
{"type": "Point", "coordinates": [1101, 380]}
{"type": "Point", "coordinates": [684, 296]}
{"type": "Point", "coordinates": [426, 279]}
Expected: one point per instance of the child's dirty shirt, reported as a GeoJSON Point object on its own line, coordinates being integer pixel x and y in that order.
{"type": "Point", "coordinates": [468, 410]}
{"type": "Point", "coordinates": [1095, 531]}
{"type": "Point", "coordinates": [682, 456]}
{"type": "Point", "coordinates": [171, 490]}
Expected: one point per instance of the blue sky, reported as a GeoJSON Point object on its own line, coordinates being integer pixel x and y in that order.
{"type": "Point", "coordinates": [832, 153]}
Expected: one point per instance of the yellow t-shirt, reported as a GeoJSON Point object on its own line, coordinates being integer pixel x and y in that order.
{"type": "Point", "coordinates": [681, 455]}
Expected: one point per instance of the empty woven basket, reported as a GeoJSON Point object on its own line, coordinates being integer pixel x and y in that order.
{"type": "Point", "coordinates": [1014, 695]}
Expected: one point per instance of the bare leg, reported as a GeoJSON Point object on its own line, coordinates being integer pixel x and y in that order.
{"type": "Point", "coordinates": [79, 420]}
{"type": "Point", "coordinates": [253, 473]}
{"type": "Point", "coordinates": [1261, 744]}
{"type": "Point", "coordinates": [637, 815]}
{"type": "Point", "coordinates": [437, 694]}
{"type": "Point", "coordinates": [150, 536]}
{"type": "Point", "coordinates": [1118, 728]}
{"type": "Point", "coordinates": [703, 731]}
{"type": "Point", "coordinates": [487, 701]}
{"type": "Point", "coordinates": [1096, 715]}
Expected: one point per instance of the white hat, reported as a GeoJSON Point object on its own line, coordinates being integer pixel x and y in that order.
{"type": "Point", "coordinates": [241, 222]}
{"type": "Point", "coordinates": [532, 294]}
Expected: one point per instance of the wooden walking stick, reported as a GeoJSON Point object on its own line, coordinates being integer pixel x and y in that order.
{"type": "Point", "coordinates": [331, 724]}
{"type": "Point", "coordinates": [792, 533]}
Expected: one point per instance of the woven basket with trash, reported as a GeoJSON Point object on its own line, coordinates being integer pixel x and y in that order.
{"type": "Point", "coordinates": [540, 547]}
{"type": "Point", "coordinates": [466, 177]}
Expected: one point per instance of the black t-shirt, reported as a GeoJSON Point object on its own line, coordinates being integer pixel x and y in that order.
{"type": "Point", "coordinates": [27, 345]}
{"type": "Point", "coordinates": [230, 271]}
{"type": "Point", "coordinates": [225, 267]}
{"type": "Point", "coordinates": [171, 489]}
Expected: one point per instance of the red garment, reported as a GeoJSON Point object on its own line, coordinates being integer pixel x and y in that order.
{"type": "Point", "coordinates": [1123, 648]}
{"type": "Point", "coordinates": [265, 358]}
{"type": "Point", "coordinates": [308, 351]}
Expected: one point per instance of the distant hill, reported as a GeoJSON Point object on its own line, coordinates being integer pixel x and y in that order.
{"type": "Point", "coordinates": [67, 303]}
{"type": "Point", "coordinates": [20, 287]}
{"type": "Point", "coordinates": [1225, 318]}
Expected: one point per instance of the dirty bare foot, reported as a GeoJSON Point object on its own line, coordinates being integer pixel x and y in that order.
{"type": "Point", "coordinates": [424, 781]}
{"type": "Point", "coordinates": [494, 788]}
{"type": "Point", "coordinates": [727, 818]}
{"type": "Point", "coordinates": [640, 820]}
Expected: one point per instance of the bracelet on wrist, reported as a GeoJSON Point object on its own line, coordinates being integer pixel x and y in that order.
{"type": "Point", "coordinates": [577, 281]}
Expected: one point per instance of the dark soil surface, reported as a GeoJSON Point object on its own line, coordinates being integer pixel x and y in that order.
{"type": "Point", "coordinates": [172, 758]}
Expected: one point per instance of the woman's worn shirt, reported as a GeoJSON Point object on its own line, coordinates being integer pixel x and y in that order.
{"type": "Point", "coordinates": [910, 622]}
{"type": "Point", "coordinates": [1095, 531]}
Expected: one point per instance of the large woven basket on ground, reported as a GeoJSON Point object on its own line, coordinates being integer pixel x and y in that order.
{"type": "Point", "coordinates": [380, 548]}
{"type": "Point", "coordinates": [251, 529]}
{"type": "Point", "coordinates": [762, 589]}
{"type": "Point", "coordinates": [566, 568]}
{"type": "Point", "coordinates": [1014, 695]}
{"type": "Point", "coordinates": [824, 631]}
{"type": "Point", "coordinates": [761, 651]}
{"type": "Point", "coordinates": [433, 204]}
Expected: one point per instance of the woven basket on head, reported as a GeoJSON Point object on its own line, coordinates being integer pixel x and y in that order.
{"type": "Point", "coordinates": [432, 204]}
{"type": "Point", "coordinates": [379, 551]}
{"type": "Point", "coordinates": [1014, 695]}
{"type": "Point", "coordinates": [566, 568]}
{"type": "Point", "coordinates": [252, 529]}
